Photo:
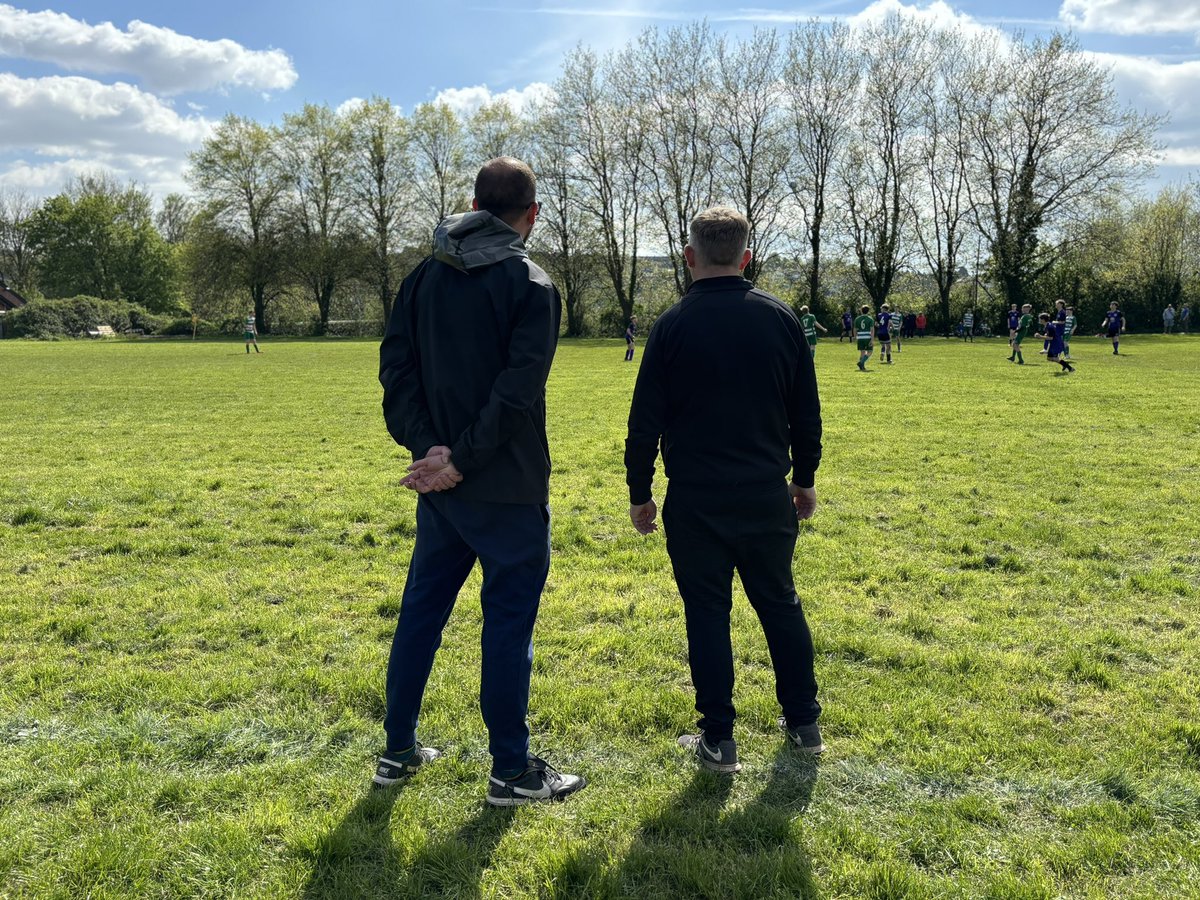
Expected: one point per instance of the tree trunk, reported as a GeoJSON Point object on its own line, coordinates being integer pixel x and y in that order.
{"type": "Point", "coordinates": [258, 292]}
{"type": "Point", "coordinates": [324, 300]}
{"type": "Point", "coordinates": [814, 274]}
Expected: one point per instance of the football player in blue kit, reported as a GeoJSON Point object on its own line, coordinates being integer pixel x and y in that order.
{"type": "Point", "coordinates": [1052, 332]}
{"type": "Point", "coordinates": [1113, 325]}
{"type": "Point", "coordinates": [883, 333]}
{"type": "Point", "coordinates": [1014, 322]}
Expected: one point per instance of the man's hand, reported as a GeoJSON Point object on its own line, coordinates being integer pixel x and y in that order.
{"type": "Point", "coordinates": [804, 499]}
{"type": "Point", "coordinates": [643, 516]}
{"type": "Point", "coordinates": [433, 473]}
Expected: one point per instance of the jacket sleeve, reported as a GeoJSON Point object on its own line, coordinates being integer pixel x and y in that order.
{"type": "Point", "coordinates": [522, 381]}
{"type": "Point", "coordinates": [405, 409]}
{"type": "Point", "coordinates": [647, 419]}
{"type": "Point", "coordinates": [804, 420]}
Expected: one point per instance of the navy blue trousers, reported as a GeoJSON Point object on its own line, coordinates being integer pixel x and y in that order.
{"type": "Point", "coordinates": [711, 534]}
{"type": "Point", "coordinates": [512, 544]}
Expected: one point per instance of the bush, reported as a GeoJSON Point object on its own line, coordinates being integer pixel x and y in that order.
{"type": "Point", "coordinates": [182, 327]}
{"type": "Point", "coordinates": [75, 316]}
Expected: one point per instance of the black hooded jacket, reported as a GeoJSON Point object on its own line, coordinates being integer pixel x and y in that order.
{"type": "Point", "coordinates": [466, 356]}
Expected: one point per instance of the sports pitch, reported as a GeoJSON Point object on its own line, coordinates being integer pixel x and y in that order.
{"type": "Point", "coordinates": [201, 559]}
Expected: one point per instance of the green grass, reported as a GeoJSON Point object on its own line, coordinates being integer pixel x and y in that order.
{"type": "Point", "coordinates": [201, 558]}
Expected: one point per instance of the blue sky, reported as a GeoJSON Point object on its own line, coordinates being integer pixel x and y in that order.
{"type": "Point", "coordinates": [84, 85]}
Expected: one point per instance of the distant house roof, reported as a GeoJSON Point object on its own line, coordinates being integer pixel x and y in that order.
{"type": "Point", "coordinates": [9, 299]}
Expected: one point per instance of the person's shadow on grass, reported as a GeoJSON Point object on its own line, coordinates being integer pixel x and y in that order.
{"type": "Point", "coordinates": [694, 847]}
{"type": "Point", "coordinates": [359, 857]}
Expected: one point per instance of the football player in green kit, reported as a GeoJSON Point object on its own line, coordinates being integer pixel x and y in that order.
{"type": "Point", "coordinates": [810, 325]}
{"type": "Point", "coordinates": [864, 329]}
{"type": "Point", "coordinates": [1024, 327]}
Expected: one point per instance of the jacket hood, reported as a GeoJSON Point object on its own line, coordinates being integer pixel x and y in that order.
{"type": "Point", "coordinates": [474, 240]}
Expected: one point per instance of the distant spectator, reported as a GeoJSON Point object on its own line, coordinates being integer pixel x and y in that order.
{"type": "Point", "coordinates": [968, 326]}
{"type": "Point", "coordinates": [1169, 318]}
{"type": "Point", "coordinates": [921, 324]}
{"type": "Point", "coordinates": [847, 326]}
{"type": "Point", "coordinates": [1185, 315]}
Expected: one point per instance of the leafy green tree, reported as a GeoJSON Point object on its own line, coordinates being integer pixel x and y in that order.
{"type": "Point", "coordinates": [495, 130]}
{"type": "Point", "coordinates": [565, 236]}
{"type": "Point", "coordinates": [98, 238]}
{"type": "Point", "coordinates": [18, 259]}
{"type": "Point", "coordinates": [1049, 140]}
{"type": "Point", "coordinates": [237, 176]}
{"type": "Point", "coordinates": [442, 184]}
{"type": "Point", "coordinates": [822, 73]}
{"type": "Point", "coordinates": [604, 143]}
{"type": "Point", "coordinates": [380, 167]}
{"type": "Point", "coordinates": [173, 217]}
{"type": "Point", "coordinates": [314, 151]}
{"type": "Point", "coordinates": [1160, 232]}
{"type": "Point", "coordinates": [883, 161]}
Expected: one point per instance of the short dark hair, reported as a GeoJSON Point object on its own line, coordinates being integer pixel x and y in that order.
{"type": "Point", "coordinates": [505, 187]}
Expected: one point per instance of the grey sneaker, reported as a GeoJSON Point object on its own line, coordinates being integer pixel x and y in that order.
{"type": "Point", "coordinates": [806, 737]}
{"type": "Point", "coordinates": [538, 783]}
{"type": "Point", "coordinates": [389, 771]}
{"type": "Point", "coordinates": [719, 758]}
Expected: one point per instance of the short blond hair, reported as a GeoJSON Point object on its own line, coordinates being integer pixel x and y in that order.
{"type": "Point", "coordinates": [719, 236]}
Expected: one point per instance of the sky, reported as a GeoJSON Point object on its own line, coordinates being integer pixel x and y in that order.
{"type": "Point", "coordinates": [132, 86]}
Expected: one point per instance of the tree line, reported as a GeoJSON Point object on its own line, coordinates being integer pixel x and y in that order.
{"type": "Point", "coordinates": [945, 168]}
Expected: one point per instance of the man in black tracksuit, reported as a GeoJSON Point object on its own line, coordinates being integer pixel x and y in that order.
{"type": "Point", "coordinates": [464, 367]}
{"type": "Point", "coordinates": [727, 384]}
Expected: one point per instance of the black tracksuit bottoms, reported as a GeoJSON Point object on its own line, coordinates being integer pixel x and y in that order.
{"type": "Point", "coordinates": [709, 535]}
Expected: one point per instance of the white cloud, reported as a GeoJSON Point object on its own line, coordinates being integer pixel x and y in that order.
{"type": "Point", "coordinates": [347, 106]}
{"type": "Point", "coordinates": [72, 124]}
{"type": "Point", "coordinates": [468, 100]}
{"type": "Point", "coordinates": [937, 15]}
{"type": "Point", "coordinates": [160, 175]}
{"type": "Point", "coordinates": [48, 114]}
{"type": "Point", "coordinates": [161, 59]}
{"type": "Point", "coordinates": [1132, 16]}
{"type": "Point", "coordinates": [1182, 157]}
{"type": "Point", "coordinates": [1161, 87]}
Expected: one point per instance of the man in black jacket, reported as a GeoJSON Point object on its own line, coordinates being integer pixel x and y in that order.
{"type": "Point", "coordinates": [464, 367]}
{"type": "Point", "coordinates": [727, 384]}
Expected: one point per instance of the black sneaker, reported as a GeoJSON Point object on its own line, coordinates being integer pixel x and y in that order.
{"type": "Point", "coordinates": [541, 782]}
{"type": "Point", "coordinates": [806, 737]}
{"type": "Point", "coordinates": [720, 758]}
{"type": "Point", "coordinates": [389, 771]}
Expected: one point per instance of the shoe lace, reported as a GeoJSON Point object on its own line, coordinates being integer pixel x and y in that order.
{"type": "Point", "coordinates": [540, 763]}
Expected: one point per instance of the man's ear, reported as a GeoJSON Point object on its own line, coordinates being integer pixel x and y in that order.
{"type": "Point", "coordinates": [689, 256]}
{"type": "Point", "coordinates": [474, 204]}
{"type": "Point", "coordinates": [746, 257]}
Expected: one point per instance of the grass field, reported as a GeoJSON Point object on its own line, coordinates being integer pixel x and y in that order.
{"type": "Point", "coordinates": [201, 558]}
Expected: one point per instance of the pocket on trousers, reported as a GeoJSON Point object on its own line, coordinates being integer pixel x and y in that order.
{"type": "Point", "coordinates": [544, 509]}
